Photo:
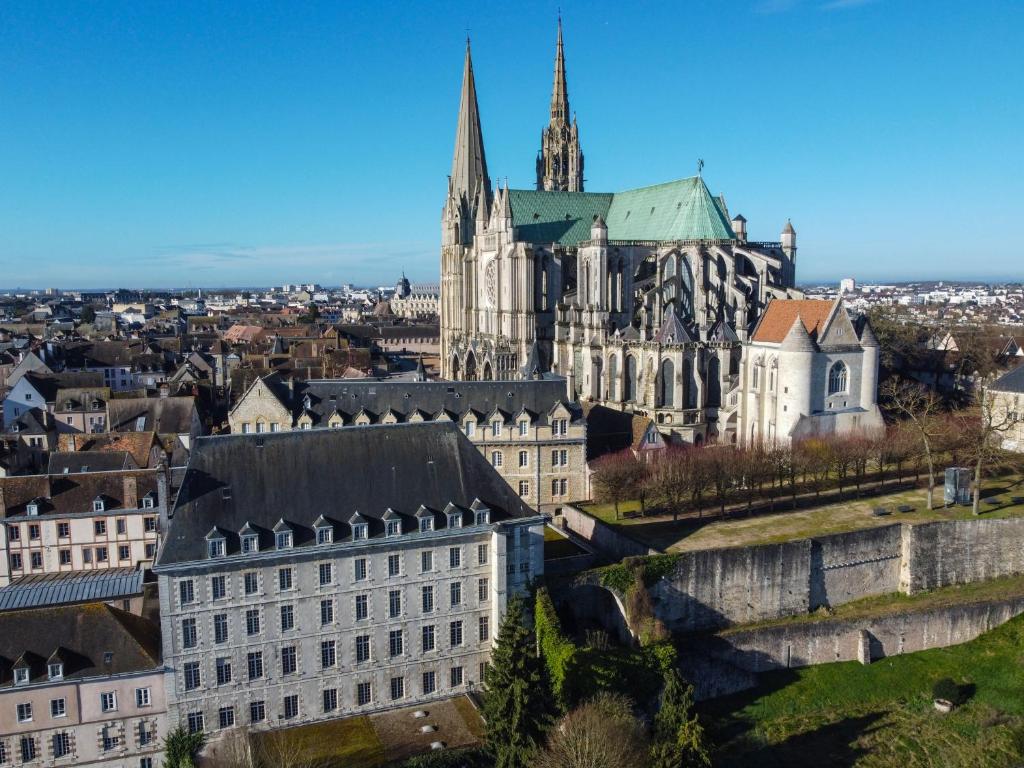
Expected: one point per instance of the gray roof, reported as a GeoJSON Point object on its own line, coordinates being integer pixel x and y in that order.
{"type": "Point", "coordinates": [64, 588]}
{"type": "Point", "coordinates": [163, 415]}
{"type": "Point", "coordinates": [403, 398]}
{"type": "Point", "coordinates": [1010, 382]}
{"type": "Point", "coordinates": [297, 476]}
{"type": "Point", "coordinates": [89, 461]}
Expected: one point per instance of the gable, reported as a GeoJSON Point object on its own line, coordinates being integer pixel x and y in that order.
{"type": "Point", "coordinates": [839, 330]}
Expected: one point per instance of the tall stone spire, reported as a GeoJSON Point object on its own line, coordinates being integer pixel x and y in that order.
{"type": "Point", "coordinates": [469, 177]}
{"type": "Point", "coordinates": [560, 161]}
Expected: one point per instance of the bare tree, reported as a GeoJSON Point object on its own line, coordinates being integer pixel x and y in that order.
{"type": "Point", "coordinates": [601, 733]}
{"type": "Point", "coordinates": [983, 427]}
{"type": "Point", "coordinates": [922, 408]}
{"type": "Point", "coordinates": [668, 480]}
{"type": "Point", "coordinates": [617, 477]}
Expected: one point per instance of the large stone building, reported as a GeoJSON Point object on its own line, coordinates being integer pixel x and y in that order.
{"type": "Point", "coordinates": [528, 430]}
{"type": "Point", "coordinates": [314, 574]}
{"type": "Point", "coordinates": [643, 299]}
{"type": "Point", "coordinates": [1006, 395]}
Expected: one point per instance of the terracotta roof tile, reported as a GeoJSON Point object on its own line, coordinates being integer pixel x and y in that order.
{"type": "Point", "coordinates": [780, 315]}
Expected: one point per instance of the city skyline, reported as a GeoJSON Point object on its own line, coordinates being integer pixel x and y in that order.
{"type": "Point", "coordinates": [226, 147]}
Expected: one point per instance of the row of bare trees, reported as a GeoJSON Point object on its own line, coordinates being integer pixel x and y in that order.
{"type": "Point", "coordinates": [688, 479]}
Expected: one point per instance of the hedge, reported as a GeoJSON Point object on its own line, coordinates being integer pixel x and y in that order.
{"type": "Point", "coordinates": [558, 653]}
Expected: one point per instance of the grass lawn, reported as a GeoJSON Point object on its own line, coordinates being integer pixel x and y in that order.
{"type": "Point", "coordinates": [848, 714]}
{"type": "Point", "coordinates": [556, 545]}
{"type": "Point", "coordinates": [837, 517]}
{"type": "Point", "coordinates": [348, 743]}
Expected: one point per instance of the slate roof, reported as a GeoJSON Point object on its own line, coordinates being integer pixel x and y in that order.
{"type": "Point", "coordinates": [139, 444]}
{"type": "Point", "coordinates": [72, 493]}
{"type": "Point", "coordinates": [300, 475]}
{"type": "Point", "coordinates": [163, 415]}
{"type": "Point", "coordinates": [676, 210]}
{"type": "Point", "coordinates": [403, 398]}
{"type": "Point", "coordinates": [83, 635]}
{"type": "Point", "coordinates": [780, 314]}
{"type": "Point", "coordinates": [1010, 382]}
{"type": "Point", "coordinates": [68, 588]}
{"type": "Point", "coordinates": [90, 461]}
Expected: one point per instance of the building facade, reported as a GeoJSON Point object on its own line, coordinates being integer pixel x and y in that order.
{"type": "Point", "coordinates": [529, 431]}
{"type": "Point", "coordinates": [292, 592]}
{"type": "Point", "coordinates": [642, 300]}
{"type": "Point", "coordinates": [1006, 396]}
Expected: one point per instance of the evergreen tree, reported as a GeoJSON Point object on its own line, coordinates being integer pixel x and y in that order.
{"type": "Point", "coordinates": [515, 705]}
{"type": "Point", "coordinates": [182, 747]}
{"type": "Point", "coordinates": [679, 737]}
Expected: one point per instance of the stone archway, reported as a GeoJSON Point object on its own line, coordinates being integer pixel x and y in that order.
{"type": "Point", "coordinates": [456, 368]}
{"type": "Point", "coordinates": [488, 375]}
{"type": "Point", "coordinates": [470, 367]}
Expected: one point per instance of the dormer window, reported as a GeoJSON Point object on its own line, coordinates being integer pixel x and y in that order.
{"type": "Point", "coordinates": [98, 504]}
{"type": "Point", "coordinates": [283, 539]}
{"type": "Point", "coordinates": [32, 508]}
{"type": "Point", "coordinates": [524, 427]}
{"type": "Point", "coordinates": [426, 524]}
{"type": "Point", "coordinates": [21, 676]}
{"type": "Point", "coordinates": [470, 428]}
{"type": "Point", "coordinates": [482, 517]}
{"type": "Point", "coordinates": [55, 671]}
{"type": "Point", "coordinates": [454, 519]}
{"type": "Point", "coordinates": [149, 500]}
{"type": "Point", "coordinates": [496, 427]}
{"type": "Point", "coordinates": [324, 535]}
{"type": "Point", "coordinates": [215, 547]}
{"type": "Point", "coordinates": [360, 531]}
{"type": "Point", "coordinates": [394, 528]}
{"type": "Point", "coordinates": [250, 543]}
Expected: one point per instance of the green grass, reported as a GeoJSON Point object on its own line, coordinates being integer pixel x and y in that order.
{"type": "Point", "coordinates": [848, 714]}
{"type": "Point", "coordinates": [348, 743]}
{"type": "Point", "coordinates": [556, 545]}
{"type": "Point", "coordinates": [470, 715]}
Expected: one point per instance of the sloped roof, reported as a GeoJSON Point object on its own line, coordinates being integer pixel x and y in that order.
{"type": "Point", "coordinates": [1010, 382]}
{"type": "Point", "coordinates": [68, 588]}
{"type": "Point", "coordinates": [541, 216]}
{"type": "Point", "coordinates": [73, 493]}
{"type": "Point", "coordinates": [295, 476]}
{"type": "Point", "coordinates": [163, 415]}
{"type": "Point", "coordinates": [780, 314]}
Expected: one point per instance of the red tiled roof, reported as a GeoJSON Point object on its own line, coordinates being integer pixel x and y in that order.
{"type": "Point", "coordinates": [780, 315]}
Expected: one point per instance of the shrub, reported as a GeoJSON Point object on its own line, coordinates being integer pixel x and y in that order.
{"type": "Point", "coordinates": [472, 757]}
{"type": "Point", "coordinates": [558, 653]}
{"type": "Point", "coordinates": [946, 688]}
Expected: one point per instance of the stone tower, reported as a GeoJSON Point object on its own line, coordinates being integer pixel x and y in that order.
{"type": "Point", "coordinates": [466, 206]}
{"type": "Point", "coordinates": [560, 161]}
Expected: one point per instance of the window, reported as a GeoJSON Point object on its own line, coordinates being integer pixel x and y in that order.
{"type": "Point", "coordinates": [363, 694]}
{"type": "Point", "coordinates": [482, 589]}
{"type": "Point", "coordinates": [37, 560]}
{"type": "Point", "coordinates": [428, 638]}
{"type": "Point", "coordinates": [456, 677]}
{"type": "Point", "coordinates": [454, 557]}
{"type": "Point", "coordinates": [289, 661]}
{"type": "Point", "coordinates": [257, 711]}
{"type": "Point", "coordinates": [524, 459]}
{"type": "Point", "coordinates": [326, 573]}
{"type": "Point", "coordinates": [326, 612]}
{"type": "Point", "coordinates": [394, 565]}
{"type": "Point", "coordinates": [482, 517]}
{"type": "Point", "coordinates": [98, 505]}
{"type": "Point", "coordinates": [524, 488]}
{"type": "Point", "coordinates": [560, 457]}
{"type": "Point", "coordinates": [426, 524]}
{"type": "Point", "coordinates": [55, 671]}
{"type": "Point", "coordinates": [226, 717]}
{"type": "Point", "coordinates": [218, 587]}
{"type": "Point", "coordinates": [21, 675]}
{"type": "Point", "coordinates": [215, 547]}
{"type": "Point", "coordinates": [291, 706]}
{"type": "Point", "coordinates": [150, 551]}
{"type": "Point", "coordinates": [255, 665]}
{"type": "Point", "coordinates": [360, 531]}
{"type": "Point", "coordinates": [25, 712]}
{"type": "Point", "coordinates": [455, 633]}
{"type": "Point", "coordinates": [252, 621]}
{"type": "Point", "coordinates": [147, 734]}
{"type": "Point", "coordinates": [428, 598]}
{"type": "Point", "coordinates": [330, 699]}
{"type": "Point", "coordinates": [837, 378]}
{"type": "Point", "coordinates": [496, 458]}
{"type": "Point", "coordinates": [484, 627]}
{"type": "Point", "coordinates": [63, 530]}
{"type": "Point", "coordinates": [283, 539]}
{"type": "Point", "coordinates": [429, 682]}
{"type": "Point", "coordinates": [470, 428]}
{"type": "Point", "coordinates": [250, 543]}
{"type": "Point", "coordinates": [145, 762]}
{"type": "Point", "coordinates": [359, 566]}
{"type": "Point", "coordinates": [192, 677]}
{"type": "Point", "coordinates": [186, 592]}
{"type": "Point", "coordinates": [252, 583]}
{"type": "Point", "coordinates": [287, 617]}
{"type": "Point", "coordinates": [33, 531]}
{"type": "Point", "coordinates": [496, 427]}
{"type": "Point", "coordinates": [362, 607]}
{"type": "Point", "coordinates": [16, 561]}
{"type": "Point", "coordinates": [394, 603]}
{"type": "Point", "coordinates": [394, 528]}
{"type": "Point", "coordinates": [396, 643]}
{"type": "Point", "coordinates": [362, 648]}
{"type": "Point", "coordinates": [284, 579]}
{"type": "Point", "coordinates": [223, 670]}
{"type": "Point", "coordinates": [397, 688]}
{"type": "Point", "coordinates": [328, 654]}
{"type": "Point", "coordinates": [28, 749]}
{"type": "Point", "coordinates": [455, 593]}
{"type": "Point", "coordinates": [220, 628]}
{"type": "Point", "coordinates": [559, 487]}
{"type": "Point", "coordinates": [121, 526]}
{"type": "Point", "coordinates": [426, 562]}
{"type": "Point", "coordinates": [560, 427]}
{"type": "Point", "coordinates": [324, 535]}
{"type": "Point", "coordinates": [58, 707]}
{"type": "Point", "coordinates": [61, 744]}
{"type": "Point", "coordinates": [14, 532]}
{"type": "Point", "coordinates": [195, 722]}
{"type": "Point", "coordinates": [64, 556]}
{"type": "Point", "coordinates": [99, 527]}
{"type": "Point", "coordinates": [143, 697]}
{"type": "Point", "coordinates": [189, 636]}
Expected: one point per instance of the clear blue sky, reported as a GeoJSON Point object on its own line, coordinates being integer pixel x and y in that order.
{"type": "Point", "coordinates": [179, 143]}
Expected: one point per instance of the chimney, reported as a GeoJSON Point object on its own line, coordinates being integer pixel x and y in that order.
{"type": "Point", "coordinates": [162, 500]}
{"type": "Point", "coordinates": [3, 503]}
{"type": "Point", "coordinates": [131, 492]}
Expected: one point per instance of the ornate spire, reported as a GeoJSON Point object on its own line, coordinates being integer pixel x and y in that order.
{"type": "Point", "coordinates": [560, 91]}
{"type": "Point", "coordinates": [469, 164]}
{"type": "Point", "coordinates": [560, 161]}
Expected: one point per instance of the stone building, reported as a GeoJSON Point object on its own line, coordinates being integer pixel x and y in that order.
{"type": "Point", "coordinates": [528, 430]}
{"type": "Point", "coordinates": [642, 299]}
{"type": "Point", "coordinates": [1007, 404]}
{"type": "Point", "coordinates": [80, 685]}
{"type": "Point", "coordinates": [312, 575]}
{"type": "Point", "coordinates": [416, 301]}
{"type": "Point", "coordinates": [82, 521]}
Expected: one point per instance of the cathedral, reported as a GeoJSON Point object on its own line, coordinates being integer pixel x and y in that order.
{"type": "Point", "coordinates": [651, 300]}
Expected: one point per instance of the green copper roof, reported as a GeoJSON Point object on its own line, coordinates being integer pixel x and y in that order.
{"type": "Point", "coordinates": [676, 210]}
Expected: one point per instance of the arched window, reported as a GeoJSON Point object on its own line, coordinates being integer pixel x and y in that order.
{"type": "Point", "coordinates": [631, 380]}
{"type": "Point", "coordinates": [667, 385]}
{"type": "Point", "coordinates": [837, 378]}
